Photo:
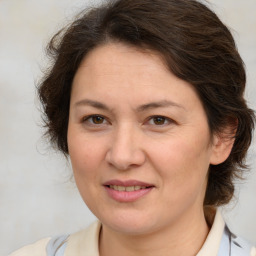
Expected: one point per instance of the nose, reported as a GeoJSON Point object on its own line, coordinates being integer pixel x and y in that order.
{"type": "Point", "coordinates": [125, 151]}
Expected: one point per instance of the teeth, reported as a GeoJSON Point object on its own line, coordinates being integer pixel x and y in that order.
{"type": "Point", "coordinates": [137, 187]}
{"type": "Point", "coordinates": [119, 188]}
{"type": "Point", "coordinates": [128, 189]}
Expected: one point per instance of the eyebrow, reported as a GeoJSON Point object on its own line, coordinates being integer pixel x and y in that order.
{"type": "Point", "coordinates": [158, 104]}
{"type": "Point", "coordinates": [92, 103]}
{"type": "Point", "coordinates": [142, 108]}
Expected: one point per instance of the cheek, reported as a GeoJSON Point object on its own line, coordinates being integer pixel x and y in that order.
{"type": "Point", "coordinates": [85, 159]}
{"type": "Point", "coordinates": [86, 156]}
{"type": "Point", "coordinates": [180, 154]}
{"type": "Point", "coordinates": [183, 166]}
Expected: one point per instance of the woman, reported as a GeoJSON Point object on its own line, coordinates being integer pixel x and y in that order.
{"type": "Point", "coordinates": [146, 98]}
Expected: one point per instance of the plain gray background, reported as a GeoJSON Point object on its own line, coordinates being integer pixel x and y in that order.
{"type": "Point", "coordinates": [37, 198]}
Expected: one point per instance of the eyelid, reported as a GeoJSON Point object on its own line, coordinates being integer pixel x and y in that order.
{"type": "Point", "coordinates": [167, 120]}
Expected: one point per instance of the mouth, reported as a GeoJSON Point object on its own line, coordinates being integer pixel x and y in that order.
{"type": "Point", "coordinates": [127, 191]}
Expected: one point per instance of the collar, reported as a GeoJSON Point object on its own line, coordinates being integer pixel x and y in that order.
{"type": "Point", "coordinates": [213, 240]}
{"type": "Point", "coordinates": [85, 242]}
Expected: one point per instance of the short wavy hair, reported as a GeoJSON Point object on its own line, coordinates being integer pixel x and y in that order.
{"type": "Point", "coordinates": [195, 45]}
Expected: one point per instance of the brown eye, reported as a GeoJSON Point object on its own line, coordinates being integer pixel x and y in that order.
{"type": "Point", "coordinates": [159, 120]}
{"type": "Point", "coordinates": [94, 120]}
{"type": "Point", "coordinates": [97, 119]}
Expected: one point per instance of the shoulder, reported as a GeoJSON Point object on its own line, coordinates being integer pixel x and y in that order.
{"type": "Point", "coordinates": [221, 241]}
{"type": "Point", "coordinates": [36, 249]}
{"type": "Point", "coordinates": [74, 244]}
{"type": "Point", "coordinates": [235, 245]}
{"type": "Point", "coordinates": [240, 246]}
{"type": "Point", "coordinates": [84, 242]}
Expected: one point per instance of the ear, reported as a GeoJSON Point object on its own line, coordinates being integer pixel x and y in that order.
{"type": "Point", "coordinates": [222, 144]}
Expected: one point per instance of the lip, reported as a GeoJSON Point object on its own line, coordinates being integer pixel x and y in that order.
{"type": "Point", "coordinates": [127, 183]}
{"type": "Point", "coordinates": [127, 196]}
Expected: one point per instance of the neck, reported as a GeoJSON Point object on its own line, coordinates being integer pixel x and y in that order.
{"type": "Point", "coordinates": [185, 237]}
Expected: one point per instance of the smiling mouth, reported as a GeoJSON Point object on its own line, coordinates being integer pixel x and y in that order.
{"type": "Point", "coordinates": [127, 191]}
{"type": "Point", "coordinates": [127, 188]}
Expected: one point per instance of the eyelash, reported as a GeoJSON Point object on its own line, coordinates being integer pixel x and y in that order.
{"type": "Point", "coordinates": [89, 119]}
{"type": "Point", "coordinates": [166, 119]}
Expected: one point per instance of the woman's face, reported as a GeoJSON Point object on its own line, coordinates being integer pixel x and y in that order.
{"type": "Point", "coordinates": [138, 140]}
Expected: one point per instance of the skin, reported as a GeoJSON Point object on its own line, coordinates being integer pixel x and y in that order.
{"type": "Point", "coordinates": [124, 142]}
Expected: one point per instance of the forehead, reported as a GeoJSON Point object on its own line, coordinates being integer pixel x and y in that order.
{"type": "Point", "coordinates": [117, 70]}
{"type": "Point", "coordinates": [122, 57]}
{"type": "Point", "coordinates": [119, 61]}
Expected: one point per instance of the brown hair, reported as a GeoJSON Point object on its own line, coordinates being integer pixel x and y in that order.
{"type": "Point", "coordinates": [196, 46]}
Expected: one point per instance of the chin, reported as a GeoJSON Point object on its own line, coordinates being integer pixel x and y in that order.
{"type": "Point", "coordinates": [130, 224]}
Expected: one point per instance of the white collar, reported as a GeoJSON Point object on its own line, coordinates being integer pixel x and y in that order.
{"type": "Point", "coordinates": [212, 242]}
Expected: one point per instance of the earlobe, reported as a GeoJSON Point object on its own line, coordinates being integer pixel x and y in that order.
{"type": "Point", "coordinates": [221, 148]}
